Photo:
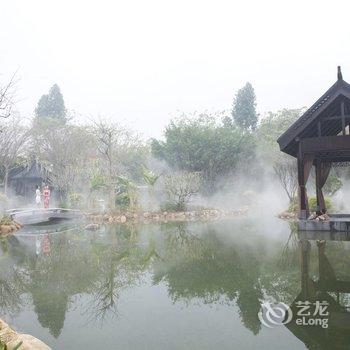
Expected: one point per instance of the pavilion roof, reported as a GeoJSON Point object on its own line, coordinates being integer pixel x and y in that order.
{"type": "Point", "coordinates": [326, 108]}
{"type": "Point", "coordinates": [32, 171]}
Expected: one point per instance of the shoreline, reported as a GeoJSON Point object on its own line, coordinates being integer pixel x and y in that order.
{"type": "Point", "coordinates": [9, 228]}
{"type": "Point", "coordinates": [164, 216]}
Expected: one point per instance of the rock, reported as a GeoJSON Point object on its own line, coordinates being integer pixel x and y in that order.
{"type": "Point", "coordinates": [156, 216]}
{"type": "Point", "coordinates": [28, 343]}
{"type": "Point", "coordinates": [324, 217]}
{"type": "Point", "coordinates": [11, 339]}
{"type": "Point", "coordinates": [312, 216]}
{"type": "Point", "coordinates": [129, 215]}
{"type": "Point", "coordinates": [286, 215]}
{"type": "Point", "coordinates": [5, 229]}
{"type": "Point", "coordinates": [92, 227]}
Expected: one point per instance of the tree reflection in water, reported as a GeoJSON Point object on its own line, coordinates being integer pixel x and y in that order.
{"type": "Point", "coordinates": [198, 264]}
{"type": "Point", "coordinates": [121, 262]}
{"type": "Point", "coordinates": [11, 280]}
{"type": "Point", "coordinates": [205, 267]}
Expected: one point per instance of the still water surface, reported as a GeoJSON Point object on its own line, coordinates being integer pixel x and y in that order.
{"type": "Point", "coordinates": [173, 286]}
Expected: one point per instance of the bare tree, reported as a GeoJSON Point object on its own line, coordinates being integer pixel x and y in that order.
{"type": "Point", "coordinates": [108, 136]}
{"type": "Point", "coordinates": [7, 93]}
{"type": "Point", "coordinates": [286, 171]}
{"type": "Point", "coordinates": [180, 187]}
{"type": "Point", "coordinates": [13, 138]}
{"type": "Point", "coordinates": [66, 152]}
{"type": "Point", "coordinates": [116, 146]}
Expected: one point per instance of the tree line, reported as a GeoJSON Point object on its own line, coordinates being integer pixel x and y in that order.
{"type": "Point", "coordinates": [199, 153]}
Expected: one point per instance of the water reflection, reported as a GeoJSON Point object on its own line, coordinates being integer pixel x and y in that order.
{"type": "Point", "coordinates": [327, 288]}
{"type": "Point", "coordinates": [198, 264]}
{"type": "Point", "coordinates": [205, 267]}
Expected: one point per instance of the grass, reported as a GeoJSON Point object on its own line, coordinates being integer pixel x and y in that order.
{"type": "Point", "coordinates": [4, 347]}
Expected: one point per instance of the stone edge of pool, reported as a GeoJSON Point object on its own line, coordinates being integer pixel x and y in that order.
{"type": "Point", "coordinates": [11, 339]}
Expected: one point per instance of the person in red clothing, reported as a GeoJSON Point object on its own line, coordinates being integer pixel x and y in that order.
{"type": "Point", "coordinates": [46, 194]}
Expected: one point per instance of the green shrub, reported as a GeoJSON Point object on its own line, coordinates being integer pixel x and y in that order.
{"type": "Point", "coordinates": [126, 197]}
{"type": "Point", "coordinates": [6, 220]}
{"type": "Point", "coordinates": [64, 205]}
{"type": "Point", "coordinates": [293, 206]}
{"type": "Point", "coordinates": [172, 206]}
{"type": "Point", "coordinates": [97, 182]}
{"type": "Point", "coordinates": [313, 204]}
{"type": "Point", "coordinates": [122, 200]}
{"type": "Point", "coordinates": [75, 200]}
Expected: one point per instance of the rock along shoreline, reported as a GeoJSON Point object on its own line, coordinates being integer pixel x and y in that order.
{"type": "Point", "coordinates": [164, 216]}
{"type": "Point", "coordinates": [14, 340]}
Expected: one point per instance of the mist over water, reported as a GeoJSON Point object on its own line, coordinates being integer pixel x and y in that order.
{"type": "Point", "coordinates": [174, 284]}
{"type": "Point", "coordinates": [180, 285]}
{"type": "Point", "coordinates": [155, 125]}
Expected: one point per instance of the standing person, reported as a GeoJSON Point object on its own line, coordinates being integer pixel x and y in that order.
{"type": "Point", "coordinates": [37, 196]}
{"type": "Point", "coordinates": [47, 194]}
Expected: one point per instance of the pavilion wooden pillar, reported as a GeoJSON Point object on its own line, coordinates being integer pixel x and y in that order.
{"type": "Point", "coordinates": [305, 162]}
{"type": "Point", "coordinates": [321, 206]}
{"type": "Point", "coordinates": [302, 196]}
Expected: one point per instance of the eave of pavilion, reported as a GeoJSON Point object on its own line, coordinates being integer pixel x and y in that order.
{"type": "Point", "coordinates": [329, 117]}
{"type": "Point", "coordinates": [327, 148]}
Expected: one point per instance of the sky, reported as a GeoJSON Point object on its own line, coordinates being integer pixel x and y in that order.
{"type": "Point", "coordinates": [142, 63]}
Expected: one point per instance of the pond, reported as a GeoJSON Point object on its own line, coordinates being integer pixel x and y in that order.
{"type": "Point", "coordinates": [173, 286]}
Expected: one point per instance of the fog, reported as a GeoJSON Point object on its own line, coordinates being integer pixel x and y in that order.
{"type": "Point", "coordinates": [141, 62]}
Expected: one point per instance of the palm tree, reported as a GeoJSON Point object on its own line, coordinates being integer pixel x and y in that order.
{"type": "Point", "coordinates": [150, 179]}
{"type": "Point", "coordinates": [128, 196]}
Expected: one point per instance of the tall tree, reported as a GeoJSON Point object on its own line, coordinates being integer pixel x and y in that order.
{"type": "Point", "coordinates": [202, 144]}
{"type": "Point", "coordinates": [271, 126]}
{"type": "Point", "coordinates": [244, 108]}
{"type": "Point", "coordinates": [284, 166]}
{"type": "Point", "coordinates": [52, 105]}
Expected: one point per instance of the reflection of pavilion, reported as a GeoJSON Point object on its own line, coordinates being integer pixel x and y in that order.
{"type": "Point", "coordinates": [327, 289]}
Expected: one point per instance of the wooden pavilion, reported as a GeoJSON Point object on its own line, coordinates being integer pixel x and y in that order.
{"type": "Point", "coordinates": [319, 138]}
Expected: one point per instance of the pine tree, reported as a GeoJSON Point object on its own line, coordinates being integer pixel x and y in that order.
{"type": "Point", "coordinates": [244, 108]}
{"type": "Point", "coordinates": [52, 104]}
